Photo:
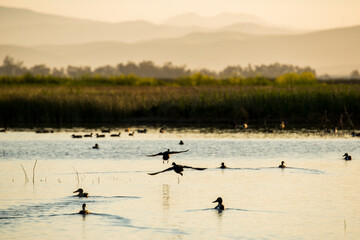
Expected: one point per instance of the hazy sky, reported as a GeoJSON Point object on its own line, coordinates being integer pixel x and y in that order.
{"type": "Point", "coordinates": [310, 14]}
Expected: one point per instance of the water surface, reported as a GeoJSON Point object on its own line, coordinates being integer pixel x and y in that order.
{"type": "Point", "coordinates": [316, 197]}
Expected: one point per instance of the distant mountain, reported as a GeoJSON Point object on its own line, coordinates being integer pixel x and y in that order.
{"type": "Point", "coordinates": [25, 27]}
{"type": "Point", "coordinates": [256, 29]}
{"type": "Point", "coordinates": [28, 28]}
{"type": "Point", "coordinates": [328, 51]}
{"type": "Point", "coordinates": [218, 21]}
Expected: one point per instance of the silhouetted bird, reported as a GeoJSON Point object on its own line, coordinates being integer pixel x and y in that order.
{"type": "Point", "coordinates": [96, 146]}
{"type": "Point", "coordinates": [115, 135]}
{"type": "Point", "coordinates": [166, 154]}
{"type": "Point", "coordinates": [88, 135]}
{"type": "Point", "coordinates": [220, 206]}
{"type": "Point", "coordinates": [76, 136]}
{"type": "Point", "coordinates": [100, 135]}
{"type": "Point", "coordinates": [223, 165]}
{"type": "Point", "coordinates": [181, 142]}
{"type": "Point", "coordinates": [81, 193]}
{"type": "Point", "coordinates": [84, 211]}
{"type": "Point", "coordinates": [177, 168]}
{"type": "Point", "coordinates": [347, 157]}
{"type": "Point", "coordinates": [282, 165]}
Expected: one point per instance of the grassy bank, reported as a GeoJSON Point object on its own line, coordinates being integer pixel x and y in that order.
{"type": "Point", "coordinates": [317, 105]}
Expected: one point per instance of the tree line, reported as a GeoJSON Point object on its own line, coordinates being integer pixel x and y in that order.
{"type": "Point", "coordinates": [148, 69]}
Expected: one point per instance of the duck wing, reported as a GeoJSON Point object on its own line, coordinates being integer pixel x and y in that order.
{"type": "Point", "coordinates": [153, 155]}
{"type": "Point", "coordinates": [168, 169]}
{"type": "Point", "coordinates": [194, 168]}
{"type": "Point", "coordinates": [174, 152]}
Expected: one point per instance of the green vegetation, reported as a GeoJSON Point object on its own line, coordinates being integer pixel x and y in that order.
{"type": "Point", "coordinates": [297, 99]}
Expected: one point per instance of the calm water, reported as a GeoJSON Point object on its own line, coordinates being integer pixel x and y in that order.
{"type": "Point", "coordinates": [317, 197]}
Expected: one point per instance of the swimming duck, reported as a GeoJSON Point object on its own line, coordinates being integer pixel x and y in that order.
{"type": "Point", "coordinates": [100, 135]}
{"type": "Point", "coordinates": [142, 130]}
{"type": "Point", "coordinates": [166, 154]}
{"type": "Point", "coordinates": [88, 135]}
{"type": "Point", "coordinates": [84, 211]}
{"type": "Point", "coordinates": [181, 142]}
{"type": "Point", "coordinates": [223, 165]}
{"type": "Point", "coordinates": [115, 135]}
{"type": "Point", "coordinates": [96, 146]}
{"type": "Point", "coordinates": [162, 130]}
{"type": "Point", "coordinates": [76, 136]}
{"type": "Point", "coordinates": [177, 168]}
{"type": "Point", "coordinates": [220, 206]}
{"type": "Point", "coordinates": [132, 133]}
{"type": "Point", "coordinates": [347, 157]}
{"type": "Point", "coordinates": [81, 193]}
{"type": "Point", "coordinates": [105, 130]}
{"type": "Point", "coordinates": [282, 165]}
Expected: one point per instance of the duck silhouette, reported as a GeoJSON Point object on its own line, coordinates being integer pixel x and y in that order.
{"type": "Point", "coordinates": [282, 165]}
{"type": "Point", "coordinates": [81, 193]}
{"type": "Point", "coordinates": [166, 155]}
{"type": "Point", "coordinates": [220, 206]}
{"type": "Point", "coordinates": [84, 211]}
{"type": "Point", "coordinates": [177, 168]}
{"type": "Point", "coordinates": [347, 157]}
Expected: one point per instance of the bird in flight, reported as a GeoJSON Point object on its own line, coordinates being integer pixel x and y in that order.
{"type": "Point", "coordinates": [166, 154]}
{"type": "Point", "coordinates": [177, 168]}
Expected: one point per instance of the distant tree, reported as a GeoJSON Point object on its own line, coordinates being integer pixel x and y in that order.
{"type": "Point", "coordinates": [106, 71]}
{"type": "Point", "coordinates": [40, 70]}
{"type": "Point", "coordinates": [10, 68]}
{"type": "Point", "coordinates": [78, 72]}
{"type": "Point", "coordinates": [355, 74]}
{"type": "Point", "coordinates": [58, 72]}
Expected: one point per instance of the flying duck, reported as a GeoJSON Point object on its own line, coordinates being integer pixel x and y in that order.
{"type": "Point", "coordinates": [166, 154]}
{"type": "Point", "coordinates": [84, 211]}
{"type": "Point", "coordinates": [177, 168]}
{"type": "Point", "coordinates": [347, 157]}
{"type": "Point", "coordinates": [220, 206]}
{"type": "Point", "coordinates": [81, 193]}
{"type": "Point", "coordinates": [282, 165]}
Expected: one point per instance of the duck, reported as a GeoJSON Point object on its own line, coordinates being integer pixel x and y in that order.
{"type": "Point", "coordinates": [223, 165]}
{"type": "Point", "coordinates": [166, 154]}
{"type": "Point", "coordinates": [76, 136]}
{"type": "Point", "coordinates": [115, 135]}
{"type": "Point", "coordinates": [3, 130]}
{"type": "Point", "coordinates": [162, 130]}
{"type": "Point", "coordinates": [142, 130]}
{"type": "Point", "coordinates": [282, 165]}
{"type": "Point", "coordinates": [100, 135]}
{"type": "Point", "coordinates": [81, 193]}
{"type": "Point", "coordinates": [347, 157]}
{"type": "Point", "coordinates": [88, 135]}
{"type": "Point", "coordinates": [177, 168]}
{"type": "Point", "coordinates": [96, 146]}
{"type": "Point", "coordinates": [105, 130]}
{"type": "Point", "coordinates": [355, 134]}
{"type": "Point", "coordinates": [220, 206]}
{"type": "Point", "coordinates": [84, 211]}
{"type": "Point", "coordinates": [132, 133]}
{"type": "Point", "coordinates": [181, 142]}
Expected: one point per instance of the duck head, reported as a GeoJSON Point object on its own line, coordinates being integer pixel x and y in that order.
{"type": "Point", "coordinates": [84, 206]}
{"type": "Point", "coordinates": [173, 163]}
{"type": "Point", "coordinates": [346, 154]}
{"type": "Point", "coordinates": [218, 200]}
{"type": "Point", "coordinates": [80, 190]}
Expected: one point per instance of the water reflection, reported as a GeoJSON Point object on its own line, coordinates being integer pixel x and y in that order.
{"type": "Point", "coordinates": [166, 196]}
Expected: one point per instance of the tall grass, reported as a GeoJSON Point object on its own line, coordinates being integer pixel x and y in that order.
{"type": "Point", "coordinates": [34, 105]}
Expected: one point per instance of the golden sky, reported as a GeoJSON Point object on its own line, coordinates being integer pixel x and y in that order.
{"type": "Point", "coordinates": [305, 14]}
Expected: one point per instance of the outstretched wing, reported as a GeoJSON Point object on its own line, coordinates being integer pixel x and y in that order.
{"type": "Point", "coordinates": [168, 169]}
{"type": "Point", "coordinates": [194, 168]}
{"type": "Point", "coordinates": [174, 152]}
{"type": "Point", "coordinates": [158, 154]}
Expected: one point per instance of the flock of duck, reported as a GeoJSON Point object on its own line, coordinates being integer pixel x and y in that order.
{"type": "Point", "coordinates": [178, 169]}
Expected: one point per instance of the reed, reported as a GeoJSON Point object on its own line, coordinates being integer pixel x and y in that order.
{"type": "Point", "coordinates": [33, 106]}
{"type": "Point", "coordinates": [33, 179]}
{"type": "Point", "coordinates": [26, 177]}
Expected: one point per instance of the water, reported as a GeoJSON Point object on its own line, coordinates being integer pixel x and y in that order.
{"type": "Point", "coordinates": [316, 197]}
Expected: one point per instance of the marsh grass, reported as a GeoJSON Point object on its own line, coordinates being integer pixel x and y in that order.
{"type": "Point", "coordinates": [195, 100]}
